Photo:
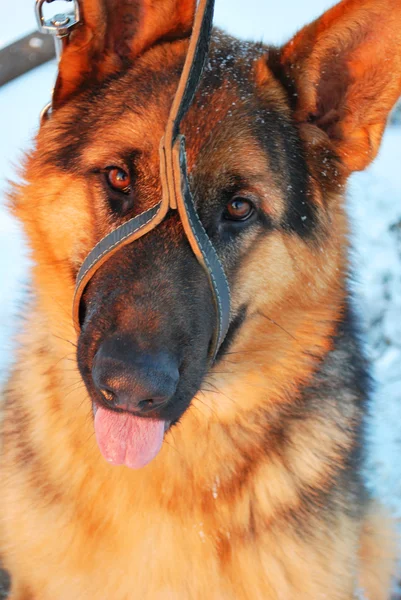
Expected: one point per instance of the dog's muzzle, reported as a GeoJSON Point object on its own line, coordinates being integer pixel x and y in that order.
{"type": "Point", "coordinates": [176, 193]}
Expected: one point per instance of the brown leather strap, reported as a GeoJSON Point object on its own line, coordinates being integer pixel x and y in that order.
{"type": "Point", "coordinates": [176, 191]}
{"type": "Point", "coordinates": [189, 81]}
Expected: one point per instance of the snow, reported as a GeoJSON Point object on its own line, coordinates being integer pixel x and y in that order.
{"type": "Point", "coordinates": [374, 207]}
{"type": "Point", "coordinates": [375, 210]}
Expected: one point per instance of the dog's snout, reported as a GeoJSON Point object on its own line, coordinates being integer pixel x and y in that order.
{"type": "Point", "coordinates": [134, 381]}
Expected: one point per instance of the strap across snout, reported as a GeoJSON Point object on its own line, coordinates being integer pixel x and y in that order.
{"type": "Point", "coordinates": [176, 193]}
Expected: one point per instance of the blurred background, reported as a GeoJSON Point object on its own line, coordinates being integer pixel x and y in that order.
{"type": "Point", "coordinates": [374, 204]}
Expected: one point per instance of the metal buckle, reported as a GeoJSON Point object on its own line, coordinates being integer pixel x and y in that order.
{"type": "Point", "coordinates": [59, 25]}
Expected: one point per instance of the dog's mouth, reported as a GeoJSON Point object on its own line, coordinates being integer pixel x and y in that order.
{"type": "Point", "coordinates": [130, 432]}
{"type": "Point", "coordinates": [127, 439]}
{"type": "Point", "coordinates": [136, 396]}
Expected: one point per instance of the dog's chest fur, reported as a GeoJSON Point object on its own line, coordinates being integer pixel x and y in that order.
{"type": "Point", "coordinates": [198, 523]}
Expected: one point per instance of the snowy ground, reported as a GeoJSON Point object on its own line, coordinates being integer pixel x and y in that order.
{"type": "Point", "coordinates": [374, 207]}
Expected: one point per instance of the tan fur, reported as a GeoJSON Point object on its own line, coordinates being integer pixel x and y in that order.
{"type": "Point", "coordinates": [348, 39]}
{"type": "Point", "coordinates": [75, 533]}
{"type": "Point", "coordinates": [378, 551]}
{"type": "Point", "coordinates": [218, 525]}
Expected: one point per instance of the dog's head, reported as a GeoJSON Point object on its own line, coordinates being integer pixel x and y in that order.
{"type": "Point", "coordinates": [271, 137]}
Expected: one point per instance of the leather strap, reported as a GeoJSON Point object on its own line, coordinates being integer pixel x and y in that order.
{"type": "Point", "coordinates": [25, 54]}
{"type": "Point", "coordinates": [176, 192]}
{"type": "Point", "coordinates": [110, 244]}
{"type": "Point", "coordinates": [202, 246]}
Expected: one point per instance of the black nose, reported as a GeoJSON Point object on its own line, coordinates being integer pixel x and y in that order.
{"type": "Point", "coordinates": [131, 380]}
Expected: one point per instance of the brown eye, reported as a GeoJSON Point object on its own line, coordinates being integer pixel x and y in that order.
{"type": "Point", "coordinates": [118, 179]}
{"type": "Point", "coordinates": [239, 209]}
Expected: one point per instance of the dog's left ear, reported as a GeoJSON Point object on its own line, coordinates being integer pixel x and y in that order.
{"type": "Point", "coordinates": [112, 34]}
{"type": "Point", "coordinates": [343, 73]}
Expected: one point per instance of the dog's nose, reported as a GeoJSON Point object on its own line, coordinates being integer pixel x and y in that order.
{"type": "Point", "coordinates": [131, 380]}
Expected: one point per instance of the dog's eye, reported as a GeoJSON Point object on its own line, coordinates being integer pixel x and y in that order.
{"type": "Point", "coordinates": [239, 209]}
{"type": "Point", "coordinates": [118, 179]}
{"type": "Point", "coordinates": [119, 189]}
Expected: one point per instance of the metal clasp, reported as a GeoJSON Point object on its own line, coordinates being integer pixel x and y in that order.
{"type": "Point", "coordinates": [59, 26]}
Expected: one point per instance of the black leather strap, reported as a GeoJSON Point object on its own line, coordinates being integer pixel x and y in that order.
{"type": "Point", "coordinates": [201, 243]}
{"type": "Point", "coordinates": [109, 245]}
{"type": "Point", "coordinates": [176, 190]}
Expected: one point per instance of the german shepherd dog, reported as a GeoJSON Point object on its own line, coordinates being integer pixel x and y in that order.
{"type": "Point", "coordinates": [130, 467]}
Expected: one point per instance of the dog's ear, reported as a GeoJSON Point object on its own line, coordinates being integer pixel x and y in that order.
{"type": "Point", "coordinates": [344, 75]}
{"type": "Point", "coordinates": [113, 33]}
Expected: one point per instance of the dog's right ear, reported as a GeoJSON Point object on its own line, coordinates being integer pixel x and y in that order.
{"type": "Point", "coordinates": [112, 34]}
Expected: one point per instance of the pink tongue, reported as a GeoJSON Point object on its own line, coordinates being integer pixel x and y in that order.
{"type": "Point", "coordinates": [124, 439]}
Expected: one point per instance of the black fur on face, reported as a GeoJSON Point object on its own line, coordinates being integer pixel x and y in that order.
{"type": "Point", "coordinates": [154, 299]}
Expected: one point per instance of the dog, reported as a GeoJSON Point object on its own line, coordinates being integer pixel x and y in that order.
{"type": "Point", "coordinates": [131, 466]}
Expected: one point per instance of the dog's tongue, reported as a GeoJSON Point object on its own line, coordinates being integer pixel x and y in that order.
{"type": "Point", "coordinates": [127, 440]}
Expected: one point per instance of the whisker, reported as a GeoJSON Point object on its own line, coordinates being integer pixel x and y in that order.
{"type": "Point", "coordinates": [277, 325]}
{"type": "Point", "coordinates": [207, 406]}
{"type": "Point", "coordinates": [218, 391]}
{"type": "Point", "coordinates": [76, 389]}
{"type": "Point", "coordinates": [65, 340]}
{"type": "Point", "coordinates": [66, 357]}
